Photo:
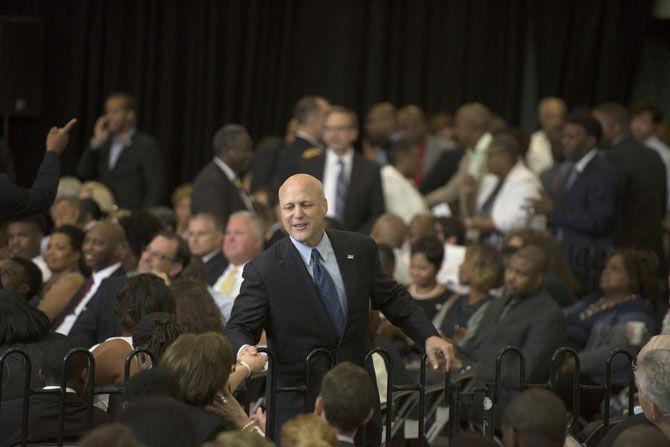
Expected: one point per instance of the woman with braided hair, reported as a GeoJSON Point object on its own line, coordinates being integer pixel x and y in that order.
{"type": "Point", "coordinates": [155, 332]}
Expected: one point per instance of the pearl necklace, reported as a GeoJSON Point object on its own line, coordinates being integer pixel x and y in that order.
{"type": "Point", "coordinates": [601, 306]}
{"type": "Point", "coordinates": [432, 293]}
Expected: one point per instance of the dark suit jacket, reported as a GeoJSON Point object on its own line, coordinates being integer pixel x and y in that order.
{"type": "Point", "coordinates": [365, 198]}
{"type": "Point", "coordinates": [43, 419]}
{"type": "Point", "coordinates": [535, 325]}
{"type": "Point", "coordinates": [138, 178]}
{"type": "Point", "coordinates": [586, 213]}
{"type": "Point", "coordinates": [642, 188]}
{"type": "Point", "coordinates": [288, 162]}
{"type": "Point", "coordinates": [214, 193]}
{"type": "Point", "coordinates": [278, 295]}
{"type": "Point", "coordinates": [97, 321]}
{"type": "Point", "coordinates": [215, 267]}
{"type": "Point", "coordinates": [443, 170]}
{"type": "Point", "coordinates": [20, 202]}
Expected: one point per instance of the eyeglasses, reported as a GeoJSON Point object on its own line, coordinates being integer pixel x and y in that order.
{"type": "Point", "coordinates": [156, 254]}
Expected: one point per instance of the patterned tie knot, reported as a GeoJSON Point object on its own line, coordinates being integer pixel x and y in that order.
{"type": "Point", "coordinates": [316, 256]}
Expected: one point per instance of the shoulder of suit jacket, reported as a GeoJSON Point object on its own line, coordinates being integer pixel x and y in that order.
{"type": "Point", "coordinates": [311, 152]}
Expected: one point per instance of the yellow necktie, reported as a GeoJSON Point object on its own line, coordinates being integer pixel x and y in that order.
{"type": "Point", "coordinates": [229, 281]}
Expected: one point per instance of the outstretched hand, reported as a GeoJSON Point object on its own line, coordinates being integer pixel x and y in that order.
{"type": "Point", "coordinates": [57, 137]}
{"type": "Point", "coordinates": [440, 353]}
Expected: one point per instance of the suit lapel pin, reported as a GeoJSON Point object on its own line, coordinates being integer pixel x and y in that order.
{"type": "Point", "coordinates": [350, 256]}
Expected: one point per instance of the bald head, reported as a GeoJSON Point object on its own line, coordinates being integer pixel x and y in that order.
{"type": "Point", "coordinates": [656, 342]}
{"type": "Point", "coordinates": [390, 230]}
{"type": "Point", "coordinates": [104, 245]}
{"type": "Point", "coordinates": [613, 118]}
{"type": "Point", "coordinates": [412, 123]}
{"type": "Point", "coordinates": [535, 417]}
{"type": "Point", "coordinates": [551, 113]}
{"type": "Point", "coordinates": [472, 121]}
{"type": "Point", "coordinates": [422, 225]}
{"type": "Point", "coordinates": [303, 208]}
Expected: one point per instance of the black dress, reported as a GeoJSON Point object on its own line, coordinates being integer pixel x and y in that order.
{"type": "Point", "coordinates": [433, 305]}
{"type": "Point", "coordinates": [460, 313]}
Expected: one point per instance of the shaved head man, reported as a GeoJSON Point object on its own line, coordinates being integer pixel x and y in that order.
{"type": "Point", "coordinates": [380, 126]}
{"type": "Point", "coordinates": [551, 114]}
{"type": "Point", "coordinates": [471, 125]}
{"type": "Point", "coordinates": [535, 417]}
{"type": "Point", "coordinates": [104, 246]}
{"type": "Point", "coordinates": [314, 288]}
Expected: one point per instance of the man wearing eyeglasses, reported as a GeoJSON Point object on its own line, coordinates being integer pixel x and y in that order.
{"type": "Point", "coordinates": [167, 255]}
{"type": "Point", "coordinates": [352, 184]}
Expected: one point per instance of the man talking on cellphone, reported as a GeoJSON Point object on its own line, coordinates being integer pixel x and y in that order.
{"type": "Point", "coordinates": [126, 160]}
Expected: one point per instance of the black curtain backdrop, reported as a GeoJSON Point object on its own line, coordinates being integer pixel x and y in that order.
{"type": "Point", "coordinates": [196, 65]}
{"type": "Point", "coordinates": [588, 51]}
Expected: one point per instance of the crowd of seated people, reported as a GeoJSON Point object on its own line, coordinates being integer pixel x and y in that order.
{"type": "Point", "coordinates": [538, 242]}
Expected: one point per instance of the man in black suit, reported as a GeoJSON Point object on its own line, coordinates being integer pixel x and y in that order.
{"type": "Point", "coordinates": [16, 202]}
{"type": "Point", "coordinates": [525, 317]}
{"type": "Point", "coordinates": [308, 113]}
{"type": "Point", "coordinates": [642, 183]}
{"type": "Point", "coordinates": [218, 189]}
{"type": "Point", "coordinates": [103, 248]}
{"type": "Point", "coordinates": [314, 289]}
{"type": "Point", "coordinates": [128, 161]}
{"type": "Point", "coordinates": [205, 239]}
{"type": "Point", "coordinates": [44, 408]}
{"type": "Point", "coordinates": [166, 255]}
{"type": "Point", "coordinates": [351, 183]}
{"type": "Point", "coordinates": [584, 213]}
{"type": "Point", "coordinates": [346, 401]}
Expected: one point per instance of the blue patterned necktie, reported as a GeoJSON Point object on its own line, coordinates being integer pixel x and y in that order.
{"type": "Point", "coordinates": [326, 287]}
{"type": "Point", "coordinates": [341, 191]}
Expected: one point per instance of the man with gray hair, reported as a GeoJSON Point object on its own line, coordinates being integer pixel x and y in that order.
{"type": "Point", "coordinates": [653, 383]}
{"type": "Point", "coordinates": [242, 242]}
{"type": "Point", "coordinates": [218, 187]}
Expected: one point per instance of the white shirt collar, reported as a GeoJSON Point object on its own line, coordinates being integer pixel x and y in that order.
{"type": "Point", "coordinates": [104, 273]}
{"type": "Point", "coordinates": [348, 158]}
{"type": "Point", "coordinates": [581, 164]}
{"type": "Point", "coordinates": [55, 387]}
{"type": "Point", "coordinates": [324, 247]}
{"type": "Point", "coordinates": [230, 174]}
{"type": "Point", "coordinates": [209, 256]}
{"type": "Point", "coordinates": [345, 438]}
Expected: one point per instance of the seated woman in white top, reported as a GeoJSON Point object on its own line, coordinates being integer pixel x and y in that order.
{"type": "Point", "coordinates": [502, 201]}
